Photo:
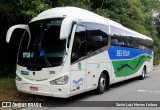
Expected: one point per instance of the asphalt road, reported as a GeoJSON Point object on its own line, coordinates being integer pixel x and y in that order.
{"type": "Point", "coordinates": [130, 90]}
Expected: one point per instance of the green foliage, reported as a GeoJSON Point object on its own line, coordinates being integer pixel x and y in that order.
{"type": "Point", "coordinates": [7, 70]}
{"type": "Point", "coordinates": [31, 7]}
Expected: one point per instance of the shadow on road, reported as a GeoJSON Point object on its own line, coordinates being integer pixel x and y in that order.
{"type": "Point", "coordinates": [126, 82]}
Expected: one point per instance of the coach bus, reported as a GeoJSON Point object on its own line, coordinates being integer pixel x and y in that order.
{"type": "Point", "coordinates": [66, 51]}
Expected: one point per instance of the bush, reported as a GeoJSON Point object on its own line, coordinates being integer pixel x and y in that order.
{"type": "Point", "coordinates": [7, 70]}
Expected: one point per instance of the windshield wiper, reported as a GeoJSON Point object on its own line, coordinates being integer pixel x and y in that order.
{"type": "Point", "coordinates": [40, 48]}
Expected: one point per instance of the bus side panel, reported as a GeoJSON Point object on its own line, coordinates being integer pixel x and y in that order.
{"type": "Point", "coordinates": [77, 77]}
{"type": "Point", "coordinates": [102, 62]}
{"type": "Point", "coordinates": [150, 64]}
{"type": "Point", "coordinates": [128, 62]}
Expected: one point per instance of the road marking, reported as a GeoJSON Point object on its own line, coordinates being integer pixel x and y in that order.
{"type": "Point", "coordinates": [148, 91]}
{"type": "Point", "coordinates": [142, 90]}
{"type": "Point", "coordinates": [155, 91]}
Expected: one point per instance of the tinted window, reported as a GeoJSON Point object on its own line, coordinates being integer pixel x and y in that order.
{"type": "Point", "coordinates": [150, 44]}
{"type": "Point", "coordinates": [79, 44]}
{"type": "Point", "coordinates": [97, 36]}
{"type": "Point", "coordinates": [43, 48]}
{"type": "Point", "coordinates": [133, 41]}
{"type": "Point", "coordinates": [120, 37]}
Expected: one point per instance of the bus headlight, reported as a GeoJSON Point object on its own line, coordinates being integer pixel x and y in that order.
{"type": "Point", "coordinates": [18, 78]}
{"type": "Point", "coordinates": [60, 81]}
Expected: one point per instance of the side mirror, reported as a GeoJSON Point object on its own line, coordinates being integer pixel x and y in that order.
{"type": "Point", "coordinates": [66, 27]}
{"type": "Point", "coordinates": [11, 29]}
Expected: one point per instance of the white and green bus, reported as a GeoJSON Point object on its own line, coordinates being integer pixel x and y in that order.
{"type": "Point", "coordinates": [65, 51]}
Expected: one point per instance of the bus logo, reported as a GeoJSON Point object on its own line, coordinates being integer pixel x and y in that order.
{"type": "Point", "coordinates": [123, 53]}
{"type": "Point", "coordinates": [78, 81]}
{"type": "Point", "coordinates": [42, 53]}
{"type": "Point", "coordinates": [79, 65]}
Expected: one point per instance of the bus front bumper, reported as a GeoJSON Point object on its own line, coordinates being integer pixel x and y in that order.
{"type": "Point", "coordinates": [42, 90]}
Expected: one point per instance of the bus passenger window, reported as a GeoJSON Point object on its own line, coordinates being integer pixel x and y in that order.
{"type": "Point", "coordinates": [118, 37]}
{"type": "Point", "coordinates": [96, 36]}
{"type": "Point", "coordinates": [114, 41]}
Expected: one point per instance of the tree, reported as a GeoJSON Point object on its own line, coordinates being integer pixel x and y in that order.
{"type": "Point", "coordinates": [16, 12]}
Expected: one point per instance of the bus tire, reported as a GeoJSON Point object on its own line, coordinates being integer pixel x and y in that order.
{"type": "Point", "coordinates": [143, 73]}
{"type": "Point", "coordinates": [102, 84]}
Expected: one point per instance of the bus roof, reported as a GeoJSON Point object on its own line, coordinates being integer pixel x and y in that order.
{"type": "Point", "coordinates": [84, 16]}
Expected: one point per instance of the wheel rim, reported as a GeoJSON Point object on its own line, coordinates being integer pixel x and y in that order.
{"type": "Point", "coordinates": [143, 73]}
{"type": "Point", "coordinates": [102, 83]}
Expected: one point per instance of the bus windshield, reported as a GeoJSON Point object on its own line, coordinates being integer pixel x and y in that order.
{"type": "Point", "coordinates": [43, 46]}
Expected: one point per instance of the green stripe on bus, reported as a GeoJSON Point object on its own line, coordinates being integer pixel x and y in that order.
{"type": "Point", "coordinates": [129, 67]}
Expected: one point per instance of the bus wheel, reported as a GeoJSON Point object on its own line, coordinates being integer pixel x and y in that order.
{"type": "Point", "coordinates": [143, 73]}
{"type": "Point", "coordinates": [101, 84]}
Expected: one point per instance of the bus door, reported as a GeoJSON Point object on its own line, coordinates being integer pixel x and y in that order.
{"type": "Point", "coordinates": [91, 75]}
{"type": "Point", "coordinates": [78, 61]}
{"type": "Point", "coordinates": [96, 38]}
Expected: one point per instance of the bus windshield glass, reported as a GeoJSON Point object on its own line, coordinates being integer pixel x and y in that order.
{"type": "Point", "coordinates": [43, 46]}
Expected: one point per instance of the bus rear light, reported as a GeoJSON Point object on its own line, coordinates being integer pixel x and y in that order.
{"type": "Point", "coordinates": [59, 81]}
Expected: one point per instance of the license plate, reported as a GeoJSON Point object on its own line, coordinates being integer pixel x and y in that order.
{"type": "Point", "coordinates": [33, 88]}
